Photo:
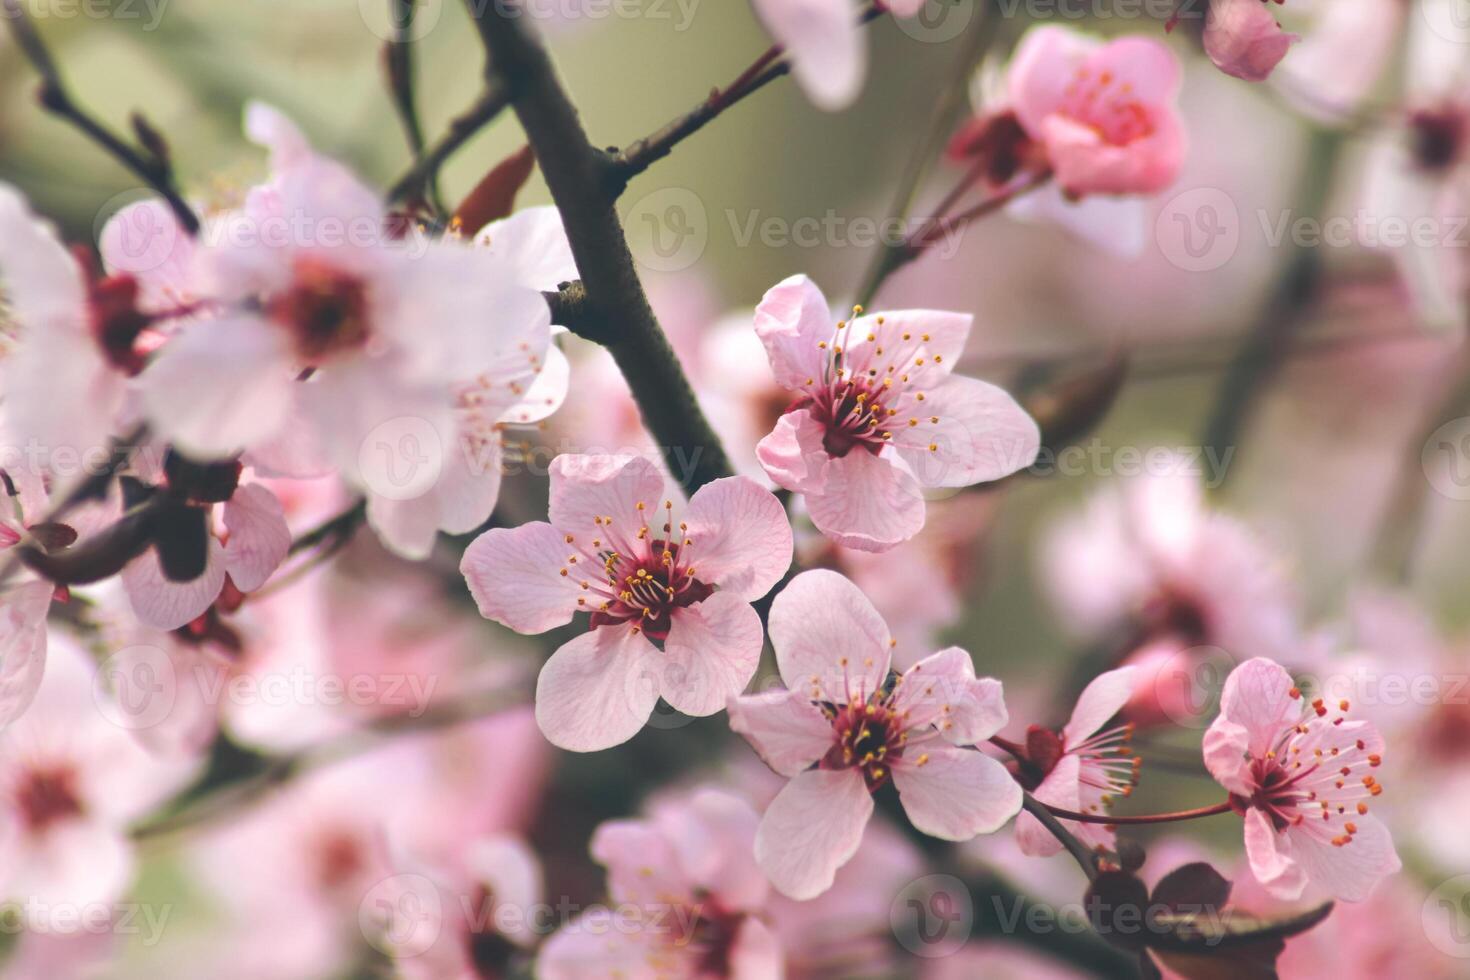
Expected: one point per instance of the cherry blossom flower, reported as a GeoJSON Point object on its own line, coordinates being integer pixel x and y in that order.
{"type": "Point", "coordinates": [71, 781]}
{"type": "Point", "coordinates": [1151, 551]}
{"type": "Point", "coordinates": [1301, 775]}
{"type": "Point", "coordinates": [879, 416]}
{"type": "Point", "coordinates": [66, 380]}
{"type": "Point", "coordinates": [1103, 111]}
{"type": "Point", "coordinates": [688, 901]}
{"type": "Point", "coordinates": [844, 727]}
{"type": "Point", "coordinates": [329, 321]}
{"type": "Point", "coordinates": [1243, 38]}
{"type": "Point", "coordinates": [824, 42]}
{"type": "Point", "coordinates": [1083, 768]}
{"type": "Point", "coordinates": [616, 548]}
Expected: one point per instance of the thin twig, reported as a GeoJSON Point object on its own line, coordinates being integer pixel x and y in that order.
{"type": "Point", "coordinates": [461, 130]}
{"type": "Point", "coordinates": [398, 59]}
{"type": "Point", "coordinates": [639, 155]}
{"type": "Point", "coordinates": [151, 165]}
{"type": "Point", "coordinates": [1112, 820]}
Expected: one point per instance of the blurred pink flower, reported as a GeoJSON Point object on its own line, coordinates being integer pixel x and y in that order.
{"type": "Point", "coordinates": [384, 327]}
{"type": "Point", "coordinates": [1151, 553]}
{"type": "Point", "coordinates": [1243, 38]}
{"type": "Point", "coordinates": [614, 548]}
{"type": "Point", "coordinates": [879, 416]}
{"type": "Point", "coordinates": [1301, 776]}
{"type": "Point", "coordinates": [1105, 112]}
{"type": "Point", "coordinates": [1083, 768]}
{"type": "Point", "coordinates": [842, 713]}
{"type": "Point", "coordinates": [67, 378]}
{"type": "Point", "coordinates": [71, 782]}
{"type": "Point", "coordinates": [689, 902]}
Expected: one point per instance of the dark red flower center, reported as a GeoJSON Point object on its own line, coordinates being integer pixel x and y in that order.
{"type": "Point", "coordinates": [870, 734]}
{"type": "Point", "coordinates": [852, 413]}
{"type": "Point", "coordinates": [47, 796]}
{"type": "Point", "coordinates": [649, 589]}
{"type": "Point", "coordinates": [325, 308]}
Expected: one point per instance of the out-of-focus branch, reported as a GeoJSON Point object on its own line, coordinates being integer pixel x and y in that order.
{"type": "Point", "coordinates": [641, 154]}
{"type": "Point", "coordinates": [464, 126]}
{"type": "Point", "coordinates": [152, 164]}
{"type": "Point", "coordinates": [615, 310]}
{"type": "Point", "coordinates": [398, 59]}
{"type": "Point", "coordinates": [1001, 912]}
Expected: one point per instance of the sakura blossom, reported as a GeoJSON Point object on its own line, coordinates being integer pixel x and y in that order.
{"type": "Point", "coordinates": [1085, 767]}
{"type": "Point", "coordinates": [878, 416]}
{"type": "Point", "coordinates": [844, 727]}
{"type": "Point", "coordinates": [645, 572]}
{"type": "Point", "coordinates": [1302, 776]}
{"type": "Point", "coordinates": [1104, 112]}
{"type": "Point", "coordinates": [1244, 39]}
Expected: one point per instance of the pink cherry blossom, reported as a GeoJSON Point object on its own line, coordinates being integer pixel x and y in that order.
{"type": "Point", "coordinates": [878, 416]}
{"type": "Point", "coordinates": [1103, 111]}
{"type": "Point", "coordinates": [690, 902]}
{"type": "Point", "coordinates": [71, 781]}
{"type": "Point", "coordinates": [67, 378]}
{"type": "Point", "coordinates": [329, 320]}
{"type": "Point", "coordinates": [844, 727]}
{"type": "Point", "coordinates": [1243, 38]}
{"type": "Point", "coordinates": [1083, 768]}
{"type": "Point", "coordinates": [1151, 551]}
{"type": "Point", "coordinates": [1302, 776]}
{"type": "Point", "coordinates": [618, 548]}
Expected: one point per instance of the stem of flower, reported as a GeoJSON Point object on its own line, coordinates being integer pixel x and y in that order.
{"type": "Point", "coordinates": [1080, 851]}
{"type": "Point", "coordinates": [1150, 818]}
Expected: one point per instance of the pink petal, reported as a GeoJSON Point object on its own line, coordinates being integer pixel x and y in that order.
{"type": "Point", "coordinates": [23, 611]}
{"type": "Point", "coordinates": [515, 576]}
{"type": "Point", "coordinates": [589, 489]}
{"type": "Point", "coordinates": [1351, 871]}
{"type": "Point", "coordinates": [597, 943]}
{"type": "Point", "coordinates": [1041, 70]}
{"type": "Point", "coordinates": [812, 828]}
{"type": "Point", "coordinates": [827, 51]}
{"type": "Point", "coordinates": [509, 870]}
{"type": "Point", "coordinates": [756, 953]}
{"type": "Point", "coordinates": [167, 605]}
{"type": "Point", "coordinates": [220, 386]}
{"type": "Point", "coordinates": [1059, 789]}
{"type": "Point", "coordinates": [1225, 746]}
{"type": "Point", "coordinates": [955, 794]}
{"type": "Point", "coordinates": [982, 434]}
{"type": "Point", "coordinates": [1100, 700]}
{"type": "Point", "coordinates": [792, 319]}
{"type": "Point", "coordinates": [462, 499]}
{"type": "Point", "coordinates": [1143, 63]}
{"type": "Point", "coordinates": [867, 503]}
{"type": "Point", "coordinates": [1271, 858]}
{"type": "Point", "coordinates": [1257, 696]}
{"type": "Point", "coordinates": [828, 636]}
{"type": "Point", "coordinates": [785, 728]}
{"type": "Point", "coordinates": [533, 243]}
{"type": "Point", "coordinates": [43, 283]}
{"type": "Point", "coordinates": [713, 833]}
{"type": "Point", "coordinates": [1085, 164]}
{"type": "Point", "coordinates": [713, 650]}
{"type": "Point", "coordinates": [258, 536]}
{"type": "Point", "coordinates": [595, 691]}
{"type": "Point", "coordinates": [942, 689]}
{"type": "Point", "coordinates": [78, 863]}
{"type": "Point", "coordinates": [741, 536]}
{"type": "Point", "coordinates": [937, 337]}
{"type": "Point", "coordinates": [1243, 38]}
{"type": "Point", "coordinates": [546, 392]}
{"type": "Point", "coordinates": [643, 867]}
{"type": "Point", "coordinates": [793, 455]}
{"type": "Point", "coordinates": [267, 126]}
{"type": "Point", "coordinates": [146, 241]}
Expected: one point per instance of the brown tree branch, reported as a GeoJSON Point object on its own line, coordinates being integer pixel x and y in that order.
{"type": "Point", "coordinates": [614, 311]}
{"type": "Point", "coordinates": [151, 165]}
{"type": "Point", "coordinates": [461, 130]}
